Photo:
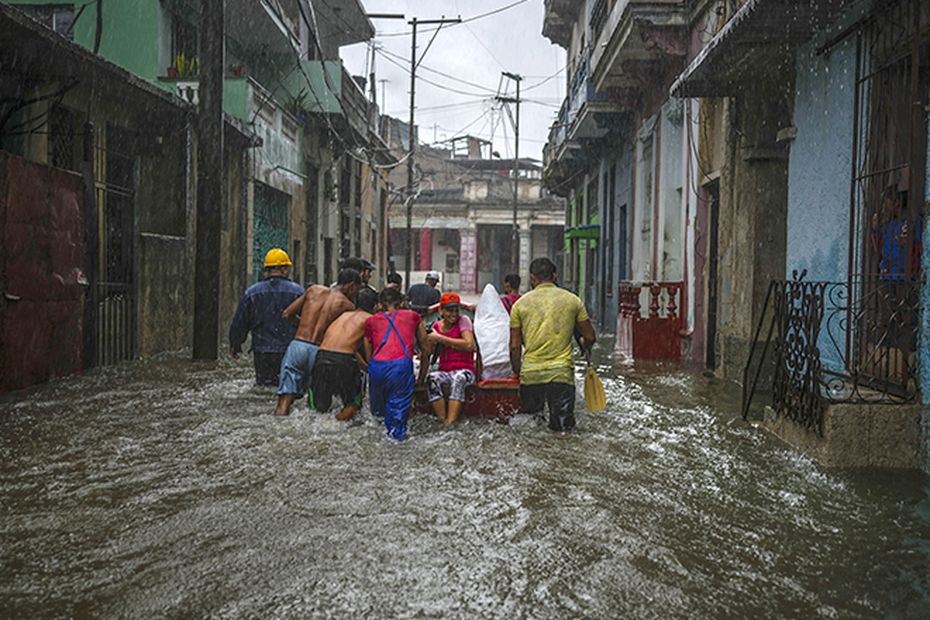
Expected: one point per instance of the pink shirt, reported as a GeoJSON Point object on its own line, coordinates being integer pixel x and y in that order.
{"type": "Point", "coordinates": [405, 323]}
{"type": "Point", "coordinates": [449, 358]}
{"type": "Point", "coordinates": [509, 300]}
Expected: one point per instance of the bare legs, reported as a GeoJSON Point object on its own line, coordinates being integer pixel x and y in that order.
{"type": "Point", "coordinates": [439, 408]}
{"type": "Point", "coordinates": [448, 412]}
{"type": "Point", "coordinates": [347, 413]}
{"type": "Point", "coordinates": [284, 404]}
{"type": "Point", "coordinates": [455, 410]}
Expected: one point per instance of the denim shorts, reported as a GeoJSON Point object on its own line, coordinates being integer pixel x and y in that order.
{"type": "Point", "coordinates": [296, 367]}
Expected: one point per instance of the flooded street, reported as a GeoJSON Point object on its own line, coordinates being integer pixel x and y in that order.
{"type": "Point", "coordinates": [165, 488]}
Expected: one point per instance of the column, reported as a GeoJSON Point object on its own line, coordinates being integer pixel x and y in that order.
{"type": "Point", "coordinates": [526, 249]}
{"type": "Point", "coordinates": [468, 260]}
{"type": "Point", "coordinates": [426, 249]}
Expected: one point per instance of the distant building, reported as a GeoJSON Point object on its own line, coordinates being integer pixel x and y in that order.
{"type": "Point", "coordinates": [463, 213]}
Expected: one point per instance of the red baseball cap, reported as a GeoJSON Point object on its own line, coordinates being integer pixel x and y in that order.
{"type": "Point", "coordinates": [450, 299]}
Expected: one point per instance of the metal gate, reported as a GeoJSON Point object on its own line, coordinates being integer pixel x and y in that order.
{"type": "Point", "coordinates": [271, 212]}
{"type": "Point", "coordinates": [886, 224]}
{"type": "Point", "coordinates": [115, 321]}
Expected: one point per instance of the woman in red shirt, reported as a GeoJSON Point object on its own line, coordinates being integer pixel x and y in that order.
{"type": "Point", "coordinates": [389, 344]}
{"type": "Point", "coordinates": [456, 359]}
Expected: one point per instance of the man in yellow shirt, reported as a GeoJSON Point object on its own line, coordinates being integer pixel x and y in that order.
{"type": "Point", "coordinates": [544, 321]}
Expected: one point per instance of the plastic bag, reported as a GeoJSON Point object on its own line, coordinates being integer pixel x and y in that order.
{"type": "Point", "coordinates": [492, 331]}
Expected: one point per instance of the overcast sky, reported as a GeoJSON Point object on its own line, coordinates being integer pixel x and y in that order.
{"type": "Point", "coordinates": [473, 52]}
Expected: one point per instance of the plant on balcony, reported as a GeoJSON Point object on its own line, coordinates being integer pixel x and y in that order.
{"type": "Point", "coordinates": [184, 67]}
{"type": "Point", "coordinates": [297, 105]}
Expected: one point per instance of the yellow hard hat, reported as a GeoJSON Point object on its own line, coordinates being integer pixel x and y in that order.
{"type": "Point", "coordinates": [276, 257]}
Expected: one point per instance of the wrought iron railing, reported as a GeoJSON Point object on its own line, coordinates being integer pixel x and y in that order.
{"type": "Point", "coordinates": [835, 342]}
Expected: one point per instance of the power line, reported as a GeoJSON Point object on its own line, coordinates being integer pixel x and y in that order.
{"type": "Point", "coordinates": [464, 21]}
{"type": "Point", "coordinates": [432, 83]}
{"type": "Point", "coordinates": [438, 72]}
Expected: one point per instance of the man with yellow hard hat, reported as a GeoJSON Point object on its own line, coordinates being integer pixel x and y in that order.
{"type": "Point", "coordinates": [259, 312]}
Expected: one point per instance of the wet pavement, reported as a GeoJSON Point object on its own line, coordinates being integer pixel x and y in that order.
{"type": "Point", "coordinates": [165, 488]}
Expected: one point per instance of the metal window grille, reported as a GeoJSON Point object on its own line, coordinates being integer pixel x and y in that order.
{"type": "Point", "coordinates": [886, 195]}
{"type": "Point", "coordinates": [61, 133]}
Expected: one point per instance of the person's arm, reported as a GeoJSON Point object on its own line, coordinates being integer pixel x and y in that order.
{"type": "Point", "coordinates": [292, 312]}
{"type": "Point", "coordinates": [588, 337]}
{"type": "Point", "coordinates": [361, 360]}
{"type": "Point", "coordinates": [369, 348]}
{"type": "Point", "coordinates": [465, 343]}
{"type": "Point", "coordinates": [426, 352]}
{"type": "Point", "coordinates": [239, 328]}
{"type": "Point", "coordinates": [516, 349]}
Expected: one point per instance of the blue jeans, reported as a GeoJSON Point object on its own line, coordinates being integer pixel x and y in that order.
{"type": "Point", "coordinates": [390, 388]}
{"type": "Point", "coordinates": [296, 367]}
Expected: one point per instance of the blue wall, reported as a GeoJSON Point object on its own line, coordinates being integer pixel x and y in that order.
{"type": "Point", "coordinates": [819, 168]}
{"type": "Point", "coordinates": [923, 350]}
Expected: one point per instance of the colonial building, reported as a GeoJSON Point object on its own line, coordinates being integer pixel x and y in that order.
{"type": "Point", "coordinates": [747, 185]}
{"type": "Point", "coordinates": [464, 224]}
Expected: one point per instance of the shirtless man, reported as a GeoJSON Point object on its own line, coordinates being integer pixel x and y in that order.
{"type": "Point", "coordinates": [317, 308]}
{"type": "Point", "coordinates": [337, 366]}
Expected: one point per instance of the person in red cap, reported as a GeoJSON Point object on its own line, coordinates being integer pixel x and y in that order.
{"type": "Point", "coordinates": [455, 338]}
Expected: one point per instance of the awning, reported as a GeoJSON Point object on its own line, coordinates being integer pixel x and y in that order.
{"type": "Point", "coordinates": [588, 231]}
{"type": "Point", "coordinates": [754, 43]}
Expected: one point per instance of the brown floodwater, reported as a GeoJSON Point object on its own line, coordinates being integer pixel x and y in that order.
{"type": "Point", "coordinates": [164, 488]}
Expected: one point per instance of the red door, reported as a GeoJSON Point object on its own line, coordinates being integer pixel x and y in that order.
{"type": "Point", "coordinates": [41, 277]}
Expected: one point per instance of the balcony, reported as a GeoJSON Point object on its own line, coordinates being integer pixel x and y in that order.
{"type": "Point", "coordinates": [586, 116]}
{"type": "Point", "coordinates": [634, 38]}
{"type": "Point", "coordinates": [559, 17]}
{"type": "Point", "coordinates": [325, 87]}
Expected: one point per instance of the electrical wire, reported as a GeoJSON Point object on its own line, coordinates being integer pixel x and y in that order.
{"type": "Point", "coordinates": [432, 83]}
{"type": "Point", "coordinates": [437, 72]}
{"type": "Point", "coordinates": [464, 21]}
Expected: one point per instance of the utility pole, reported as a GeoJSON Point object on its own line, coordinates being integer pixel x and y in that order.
{"type": "Point", "coordinates": [411, 156]}
{"type": "Point", "coordinates": [209, 180]}
{"type": "Point", "coordinates": [515, 249]}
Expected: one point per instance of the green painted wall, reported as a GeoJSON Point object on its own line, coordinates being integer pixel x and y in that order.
{"type": "Point", "coordinates": [236, 100]}
{"type": "Point", "coordinates": [320, 93]}
{"type": "Point", "coordinates": [131, 37]}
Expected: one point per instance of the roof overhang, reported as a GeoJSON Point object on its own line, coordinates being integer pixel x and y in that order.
{"type": "Point", "coordinates": [35, 49]}
{"type": "Point", "coordinates": [344, 22]}
{"type": "Point", "coordinates": [636, 39]}
{"type": "Point", "coordinates": [558, 19]}
{"type": "Point", "coordinates": [39, 53]}
{"type": "Point", "coordinates": [758, 39]}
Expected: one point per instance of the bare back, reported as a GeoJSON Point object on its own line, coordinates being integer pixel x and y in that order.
{"type": "Point", "coordinates": [346, 332]}
{"type": "Point", "coordinates": [318, 307]}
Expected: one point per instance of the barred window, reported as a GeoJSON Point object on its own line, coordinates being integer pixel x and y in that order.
{"type": "Point", "coordinates": [61, 130]}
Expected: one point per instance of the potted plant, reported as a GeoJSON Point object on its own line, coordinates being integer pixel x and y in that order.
{"type": "Point", "coordinates": [236, 70]}
{"type": "Point", "coordinates": [186, 68]}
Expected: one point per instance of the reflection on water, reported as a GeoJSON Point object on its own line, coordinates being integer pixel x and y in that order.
{"type": "Point", "coordinates": [165, 488]}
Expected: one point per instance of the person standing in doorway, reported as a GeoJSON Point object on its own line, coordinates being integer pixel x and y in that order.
{"type": "Point", "coordinates": [389, 342]}
{"type": "Point", "coordinates": [313, 312]}
{"type": "Point", "coordinates": [511, 291]}
{"type": "Point", "coordinates": [544, 322]}
{"type": "Point", "coordinates": [259, 313]}
{"type": "Point", "coordinates": [425, 294]}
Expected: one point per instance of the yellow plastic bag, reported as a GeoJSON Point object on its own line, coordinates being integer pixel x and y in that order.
{"type": "Point", "coordinates": [594, 397]}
